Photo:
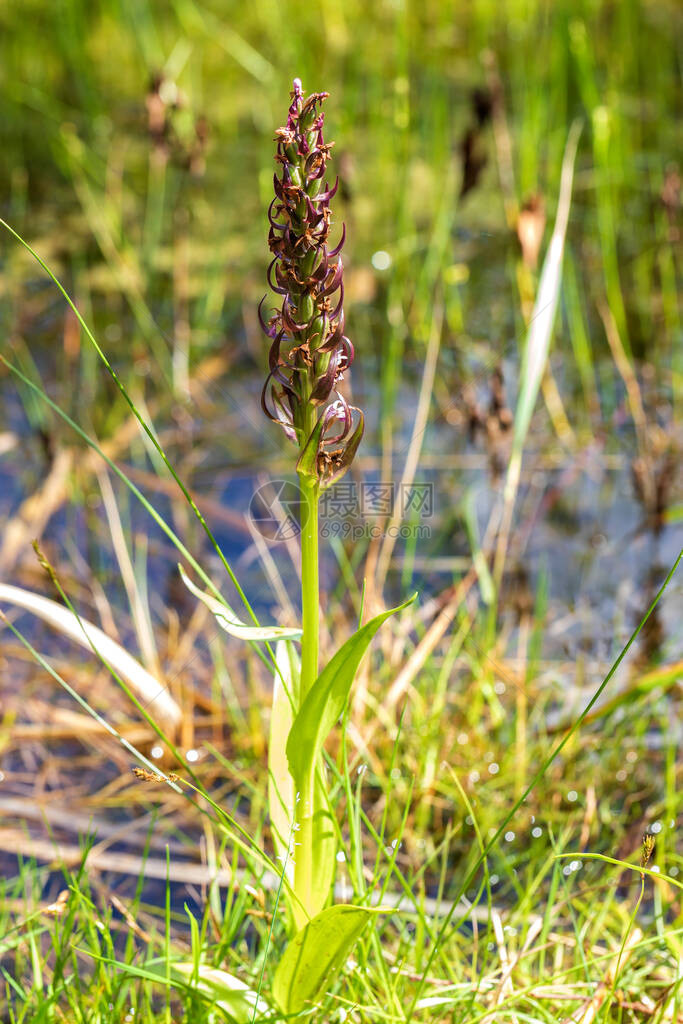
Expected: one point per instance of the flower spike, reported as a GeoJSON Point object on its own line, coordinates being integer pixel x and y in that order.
{"type": "Point", "coordinates": [309, 352]}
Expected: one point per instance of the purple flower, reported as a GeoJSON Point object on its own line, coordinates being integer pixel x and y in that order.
{"type": "Point", "coordinates": [309, 351]}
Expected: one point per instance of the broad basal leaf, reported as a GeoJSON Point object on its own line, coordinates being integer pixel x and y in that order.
{"type": "Point", "coordinates": [281, 796]}
{"type": "Point", "coordinates": [225, 990]}
{"type": "Point", "coordinates": [280, 782]}
{"type": "Point", "coordinates": [316, 953]}
{"type": "Point", "coordinates": [324, 849]}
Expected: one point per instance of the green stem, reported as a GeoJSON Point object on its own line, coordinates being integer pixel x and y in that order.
{"type": "Point", "coordinates": [310, 603]}
{"type": "Point", "coordinates": [305, 908]}
{"type": "Point", "coordinates": [310, 607]}
{"type": "Point", "coordinates": [310, 586]}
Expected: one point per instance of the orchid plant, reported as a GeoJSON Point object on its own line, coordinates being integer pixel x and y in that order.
{"type": "Point", "coordinates": [309, 355]}
{"type": "Point", "coordinates": [308, 358]}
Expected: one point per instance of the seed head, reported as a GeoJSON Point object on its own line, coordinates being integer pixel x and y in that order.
{"type": "Point", "coordinates": [146, 775]}
{"type": "Point", "coordinates": [649, 842]}
{"type": "Point", "coordinates": [309, 351]}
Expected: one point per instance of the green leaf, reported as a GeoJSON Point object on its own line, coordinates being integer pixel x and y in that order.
{"type": "Point", "coordinates": [327, 698]}
{"type": "Point", "coordinates": [316, 953]}
{"type": "Point", "coordinates": [324, 845]}
{"type": "Point", "coordinates": [281, 794]}
{"type": "Point", "coordinates": [225, 990]}
{"type": "Point", "coordinates": [226, 618]}
{"type": "Point", "coordinates": [236, 999]}
{"type": "Point", "coordinates": [307, 464]}
{"type": "Point", "coordinates": [280, 782]}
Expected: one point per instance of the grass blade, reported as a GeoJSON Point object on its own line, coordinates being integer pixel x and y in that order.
{"type": "Point", "coordinates": [537, 345]}
{"type": "Point", "coordinates": [89, 636]}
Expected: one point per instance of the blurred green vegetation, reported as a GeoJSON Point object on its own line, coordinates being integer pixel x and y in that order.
{"type": "Point", "coordinates": [137, 221]}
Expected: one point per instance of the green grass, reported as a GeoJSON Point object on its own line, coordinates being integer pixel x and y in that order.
{"type": "Point", "coordinates": [167, 267]}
